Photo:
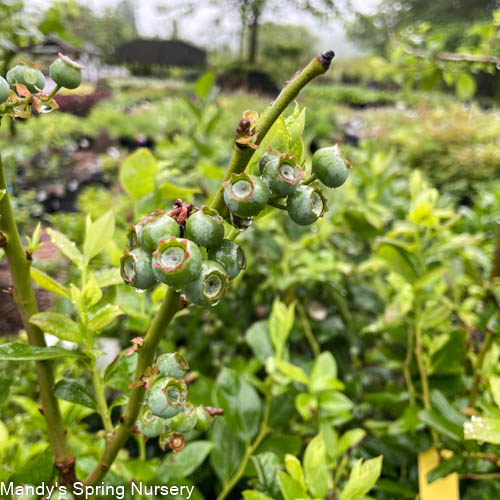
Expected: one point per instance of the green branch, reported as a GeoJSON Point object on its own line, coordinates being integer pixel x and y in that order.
{"type": "Point", "coordinates": [146, 354]}
{"type": "Point", "coordinates": [242, 155]}
{"type": "Point", "coordinates": [24, 296]}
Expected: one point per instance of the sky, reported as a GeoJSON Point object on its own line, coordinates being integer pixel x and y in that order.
{"type": "Point", "coordinates": [206, 27]}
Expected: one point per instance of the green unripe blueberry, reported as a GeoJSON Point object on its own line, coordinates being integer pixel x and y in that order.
{"type": "Point", "coordinates": [150, 425]}
{"type": "Point", "coordinates": [211, 285]}
{"type": "Point", "coordinates": [156, 226]}
{"type": "Point", "coordinates": [306, 205]}
{"type": "Point", "coordinates": [177, 262]}
{"type": "Point", "coordinates": [231, 256]}
{"type": "Point", "coordinates": [282, 175]}
{"type": "Point", "coordinates": [32, 78]}
{"type": "Point", "coordinates": [4, 89]}
{"type": "Point", "coordinates": [204, 419]}
{"type": "Point", "coordinates": [58, 495]}
{"type": "Point", "coordinates": [184, 421]}
{"type": "Point", "coordinates": [136, 269]}
{"type": "Point", "coordinates": [265, 158]}
{"type": "Point", "coordinates": [205, 227]}
{"type": "Point", "coordinates": [172, 364]}
{"type": "Point", "coordinates": [330, 166]}
{"type": "Point", "coordinates": [245, 195]}
{"type": "Point", "coordinates": [65, 72]}
{"type": "Point", "coordinates": [167, 397]}
{"type": "Point", "coordinates": [26, 495]}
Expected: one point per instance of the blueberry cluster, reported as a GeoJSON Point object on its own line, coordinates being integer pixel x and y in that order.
{"type": "Point", "coordinates": [281, 177]}
{"type": "Point", "coordinates": [166, 412]}
{"type": "Point", "coordinates": [201, 262]}
{"type": "Point", "coordinates": [65, 73]}
{"type": "Point", "coordinates": [186, 248]}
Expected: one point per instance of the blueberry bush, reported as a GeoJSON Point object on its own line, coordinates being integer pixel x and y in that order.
{"type": "Point", "coordinates": [288, 327]}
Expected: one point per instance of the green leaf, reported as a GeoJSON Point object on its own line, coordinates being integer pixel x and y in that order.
{"type": "Point", "coordinates": [495, 389]}
{"type": "Point", "coordinates": [104, 316]}
{"type": "Point", "coordinates": [483, 429]}
{"type": "Point", "coordinates": [277, 138]}
{"type": "Point", "coordinates": [227, 452]}
{"type": "Point", "coordinates": [91, 292]}
{"type": "Point", "coordinates": [98, 234]}
{"type": "Point", "coordinates": [144, 471]}
{"type": "Point", "coordinates": [290, 488]}
{"type": "Point", "coordinates": [398, 260]}
{"type": "Point", "coordinates": [121, 371]}
{"type": "Point", "coordinates": [5, 383]}
{"type": "Point", "coordinates": [306, 405]}
{"type": "Point", "coordinates": [138, 173]}
{"type": "Point", "coordinates": [4, 438]}
{"type": "Point", "coordinates": [280, 324]}
{"type": "Point", "coordinates": [59, 325]}
{"type": "Point", "coordinates": [241, 404]}
{"type": "Point", "coordinates": [37, 470]}
{"type": "Point", "coordinates": [67, 247]}
{"type": "Point", "coordinates": [48, 283]}
{"type": "Point", "coordinates": [441, 424]}
{"type": "Point", "coordinates": [172, 192]}
{"type": "Point", "coordinates": [296, 127]}
{"type": "Point", "coordinates": [254, 495]}
{"type": "Point", "coordinates": [22, 352]}
{"type": "Point", "coordinates": [293, 372]}
{"type": "Point", "coordinates": [465, 86]}
{"type": "Point", "coordinates": [257, 337]}
{"type": "Point", "coordinates": [349, 439]}
{"type": "Point", "coordinates": [74, 391]}
{"type": "Point", "coordinates": [324, 373]}
{"type": "Point", "coordinates": [362, 479]}
{"type": "Point", "coordinates": [108, 277]}
{"type": "Point", "coordinates": [447, 410]}
{"type": "Point", "coordinates": [334, 403]}
{"type": "Point", "coordinates": [185, 462]}
{"type": "Point", "coordinates": [294, 468]}
{"type": "Point", "coordinates": [315, 468]}
{"type": "Point", "coordinates": [267, 465]}
{"type": "Point", "coordinates": [204, 85]}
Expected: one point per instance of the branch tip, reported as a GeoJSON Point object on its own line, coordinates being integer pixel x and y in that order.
{"type": "Point", "coordinates": [326, 59]}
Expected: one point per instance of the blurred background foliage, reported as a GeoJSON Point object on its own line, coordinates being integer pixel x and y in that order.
{"type": "Point", "coordinates": [406, 250]}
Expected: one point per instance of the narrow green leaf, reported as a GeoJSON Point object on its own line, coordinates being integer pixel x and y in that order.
{"type": "Point", "coordinates": [440, 424]}
{"type": "Point", "coordinates": [66, 246]}
{"type": "Point", "coordinates": [104, 316]}
{"type": "Point", "coordinates": [59, 325]}
{"type": "Point", "coordinates": [22, 352]}
{"type": "Point", "coordinates": [74, 391]}
{"type": "Point", "coordinates": [294, 468]}
{"type": "Point", "coordinates": [362, 479]}
{"type": "Point", "coordinates": [108, 277]}
{"type": "Point", "coordinates": [280, 324]}
{"type": "Point", "coordinates": [254, 495]}
{"type": "Point", "coordinates": [315, 468]}
{"type": "Point", "coordinates": [100, 232]}
{"type": "Point", "coordinates": [170, 191]}
{"type": "Point", "coordinates": [204, 85]}
{"type": "Point", "coordinates": [48, 283]}
{"type": "Point", "coordinates": [349, 439]}
{"type": "Point", "coordinates": [138, 173]}
{"type": "Point", "coordinates": [293, 372]}
{"type": "Point", "coordinates": [92, 293]}
{"type": "Point", "coordinates": [290, 488]}
{"type": "Point", "coordinates": [495, 389]}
